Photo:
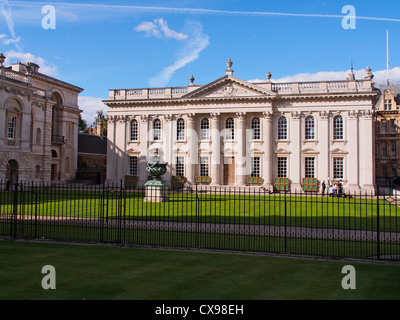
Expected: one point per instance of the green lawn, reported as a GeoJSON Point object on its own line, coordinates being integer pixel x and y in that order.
{"type": "Point", "coordinates": [103, 272]}
{"type": "Point", "coordinates": [311, 211]}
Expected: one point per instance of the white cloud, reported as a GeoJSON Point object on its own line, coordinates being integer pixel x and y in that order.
{"type": "Point", "coordinates": [13, 56]}
{"type": "Point", "coordinates": [159, 28]}
{"type": "Point", "coordinates": [379, 76]}
{"type": "Point", "coordinates": [197, 42]}
{"type": "Point", "coordinates": [89, 107]}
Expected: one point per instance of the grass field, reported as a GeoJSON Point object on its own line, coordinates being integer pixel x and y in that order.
{"type": "Point", "coordinates": [311, 211]}
{"type": "Point", "coordinates": [122, 273]}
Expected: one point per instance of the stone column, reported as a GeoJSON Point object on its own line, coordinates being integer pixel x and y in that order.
{"type": "Point", "coordinates": [143, 145]}
{"type": "Point", "coordinates": [352, 168]}
{"type": "Point", "coordinates": [322, 135]}
{"type": "Point", "coordinates": [241, 154]}
{"type": "Point", "coordinates": [111, 150]}
{"type": "Point", "coordinates": [192, 140]}
{"type": "Point", "coordinates": [295, 159]}
{"type": "Point", "coordinates": [367, 162]}
{"type": "Point", "coordinates": [215, 150]}
{"type": "Point", "coordinates": [267, 137]}
{"type": "Point", "coordinates": [166, 146]}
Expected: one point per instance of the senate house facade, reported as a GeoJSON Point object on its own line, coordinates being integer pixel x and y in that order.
{"type": "Point", "coordinates": [231, 132]}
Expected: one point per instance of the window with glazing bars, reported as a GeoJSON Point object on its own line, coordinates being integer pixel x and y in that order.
{"type": "Point", "coordinates": [180, 166]}
{"type": "Point", "coordinates": [337, 168]}
{"type": "Point", "coordinates": [134, 130]}
{"type": "Point", "coordinates": [282, 167]}
{"type": "Point", "coordinates": [203, 166]}
{"type": "Point", "coordinates": [157, 130]}
{"type": "Point", "coordinates": [180, 129]}
{"type": "Point", "coordinates": [11, 128]}
{"type": "Point", "coordinates": [204, 129]}
{"type": "Point", "coordinates": [133, 162]}
{"type": "Point", "coordinates": [255, 128]}
{"type": "Point", "coordinates": [229, 129]}
{"type": "Point", "coordinates": [309, 169]}
{"type": "Point", "coordinates": [309, 128]}
{"type": "Point", "coordinates": [338, 128]}
{"type": "Point", "coordinates": [255, 167]}
{"type": "Point", "coordinates": [282, 128]}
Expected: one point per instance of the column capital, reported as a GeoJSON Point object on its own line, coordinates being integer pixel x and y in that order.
{"type": "Point", "coordinates": [267, 115]}
{"type": "Point", "coordinates": [241, 115]}
{"type": "Point", "coordinates": [144, 118]}
{"type": "Point", "coordinates": [215, 116]}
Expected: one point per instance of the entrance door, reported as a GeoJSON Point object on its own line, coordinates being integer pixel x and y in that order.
{"type": "Point", "coordinates": [229, 171]}
{"type": "Point", "coordinates": [53, 172]}
{"type": "Point", "coordinates": [13, 172]}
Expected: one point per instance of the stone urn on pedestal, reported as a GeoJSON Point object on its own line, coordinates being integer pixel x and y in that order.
{"type": "Point", "coordinates": [156, 189]}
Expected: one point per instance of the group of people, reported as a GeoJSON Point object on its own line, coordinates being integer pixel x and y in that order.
{"type": "Point", "coordinates": [335, 189]}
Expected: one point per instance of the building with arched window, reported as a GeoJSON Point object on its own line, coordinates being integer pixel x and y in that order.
{"type": "Point", "coordinates": [39, 125]}
{"type": "Point", "coordinates": [239, 133]}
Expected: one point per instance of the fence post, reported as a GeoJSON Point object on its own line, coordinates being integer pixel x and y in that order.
{"type": "Point", "coordinates": [378, 236]}
{"type": "Point", "coordinates": [15, 212]}
{"type": "Point", "coordinates": [285, 225]}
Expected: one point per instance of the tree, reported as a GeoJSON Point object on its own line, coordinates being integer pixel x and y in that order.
{"type": "Point", "coordinates": [82, 125]}
{"type": "Point", "coordinates": [101, 119]}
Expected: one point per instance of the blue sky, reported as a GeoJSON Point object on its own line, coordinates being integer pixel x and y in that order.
{"type": "Point", "coordinates": [102, 45]}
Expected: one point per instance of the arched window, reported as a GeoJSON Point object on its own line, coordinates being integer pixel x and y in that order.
{"type": "Point", "coordinates": [338, 127]}
{"type": "Point", "coordinates": [180, 129]}
{"type": "Point", "coordinates": [134, 130]}
{"type": "Point", "coordinates": [38, 136]}
{"type": "Point", "coordinates": [255, 128]}
{"type": "Point", "coordinates": [230, 129]}
{"type": "Point", "coordinates": [309, 128]}
{"type": "Point", "coordinates": [282, 128]}
{"type": "Point", "coordinates": [204, 129]}
{"type": "Point", "coordinates": [157, 130]}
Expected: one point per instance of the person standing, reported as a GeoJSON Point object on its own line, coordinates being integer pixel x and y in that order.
{"type": "Point", "coordinates": [323, 187]}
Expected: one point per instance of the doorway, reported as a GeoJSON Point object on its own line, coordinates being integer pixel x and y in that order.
{"type": "Point", "coordinates": [229, 170]}
{"type": "Point", "coordinates": [13, 172]}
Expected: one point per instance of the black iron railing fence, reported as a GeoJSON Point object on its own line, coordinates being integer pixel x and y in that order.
{"type": "Point", "coordinates": [357, 225]}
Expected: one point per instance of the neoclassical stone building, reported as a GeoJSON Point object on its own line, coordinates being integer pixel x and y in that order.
{"type": "Point", "coordinates": [232, 132]}
{"type": "Point", "coordinates": [39, 125]}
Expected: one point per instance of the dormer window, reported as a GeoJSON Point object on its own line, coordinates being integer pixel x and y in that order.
{"type": "Point", "coordinates": [388, 104]}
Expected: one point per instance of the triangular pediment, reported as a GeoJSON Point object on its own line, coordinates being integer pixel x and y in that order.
{"type": "Point", "coordinates": [229, 87]}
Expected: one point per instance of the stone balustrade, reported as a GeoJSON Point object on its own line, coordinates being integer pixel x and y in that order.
{"type": "Point", "coordinates": [290, 88]}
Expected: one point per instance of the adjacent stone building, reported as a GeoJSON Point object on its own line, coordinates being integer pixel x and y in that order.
{"type": "Point", "coordinates": [387, 134]}
{"type": "Point", "coordinates": [231, 132]}
{"type": "Point", "coordinates": [39, 131]}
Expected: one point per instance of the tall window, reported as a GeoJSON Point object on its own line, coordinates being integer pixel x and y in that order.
{"type": "Point", "coordinates": [392, 126]}
{"type": "Point", "coordinates": [157, 130]}
{"type": "Point", "coordinates": [383, 126]}
{"type": "Point", "coordinates": [133, 162]}
{"type": "Point", "coordinates": [393, 148]}
{"type": "Point", "coordinates": [11, 128]}
{"type": "Point", "coordinates": [204, 129]}
{"type": "Point", "coordinates": [180, 166]}
{"type": "Point", "coordinates": [255, 167]}
{"type": "Point", "coordinates": [309, 128]}
{"type": "Point", "coordinates": [282, 128]}
{"type": "Point", "coordinates": [384, 152]}
{"type": "Point", "coordinates": [134, 130]}
{"type": "Point", "coordinates": [337, 168]}
{"type": "Point", "coordinates": [255, 128]}
{"type": "Point", "coordinates": [203, 166]}
{"type": "Point", "coordinates": [338, 128]}
{"type": "Point", "coordinates": [38, 136]}
{"type": "Point", "coordinates": [309, 167]}
{"type": "Point", "coordinates": [180, 129]}
{"type": "Point", "coordinates": [388, 104]}
{"type": "Point", "coordinates": [230, 129]}
{"type": "Point", "coordinates": [282, 167]}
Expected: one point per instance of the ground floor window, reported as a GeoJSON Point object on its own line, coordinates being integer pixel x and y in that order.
{"type": "Point", "coordinates": [337, 168]}
{"type": "Point", "coordinates": [255, 167]}
{"type": "Point", "coordinates": [309, 167]}
{"type": "Point", "coordinates": [204, 166]}
{"type": "Point", "coordinates": [282, 167]}
{"type": "Point", "coordinates": [180, 166]}
{"type": "Point", "coordinates": [133, 162]}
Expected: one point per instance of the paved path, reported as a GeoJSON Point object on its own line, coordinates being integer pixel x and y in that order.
{"type": "Point", "coordinates": [226, 228]}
